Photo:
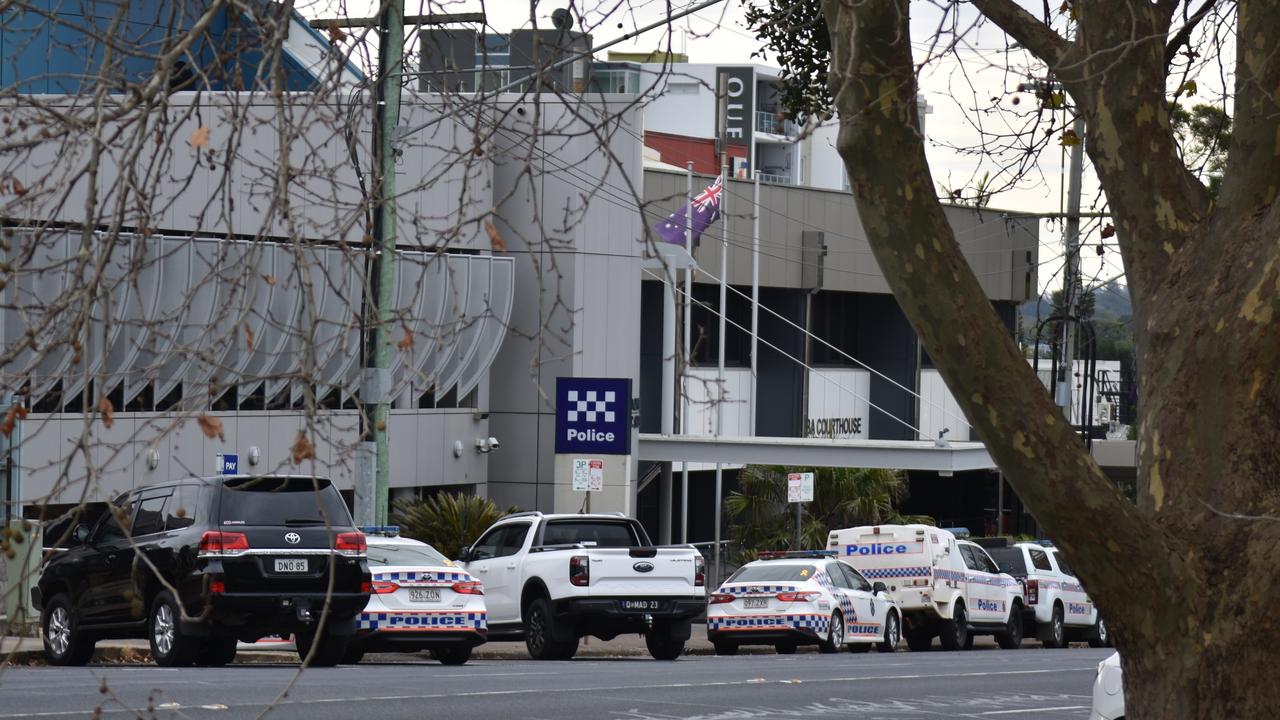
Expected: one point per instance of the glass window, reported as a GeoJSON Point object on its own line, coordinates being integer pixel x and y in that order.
{"type": "Point", "coordinates": [856, 581]}
{"type": "Point", "coordinates": [1062, 564]}
{"type": "Point", "coordinates": [406, 554]}
{"type": "Point", "coordinates": [1040, 559]}
{"type": "Point", "coordinates": [283, 501]}
{"type": "Point", "coordinates": [970, 561]}
{"type": "Point", "coordinates": [1010, 560]}
{"type": "Point", "coordinates": [985, 563]}
{"type": "Point", "coordinates": [604, 533]}
{"type": "Point", "coordinates": [772, 572]}
{"type": "Point", "coordinates": [838, 578]}
{"type": "Point", "coordinates": [501, 541]}
{"type": "Point", "coordinates": [489, 545]}
{"type": "Point", "coordinates": [180, 512]}
{"type": "Point", "coordinates": [150, 516]}
{"type": "Point", "coordinates": [513, 540]}
{"type": "Point", "coordinates": [114, 524]}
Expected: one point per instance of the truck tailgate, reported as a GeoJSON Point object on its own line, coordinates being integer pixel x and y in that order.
{"type": "Point", "coordinates": [622, 572]}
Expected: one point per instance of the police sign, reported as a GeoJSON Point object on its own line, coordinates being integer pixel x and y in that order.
{"type": "Point", "coordinates": [592, 415]}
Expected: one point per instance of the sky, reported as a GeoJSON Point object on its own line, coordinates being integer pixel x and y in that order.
{"type": "Point", "coordinates": [962, 89]}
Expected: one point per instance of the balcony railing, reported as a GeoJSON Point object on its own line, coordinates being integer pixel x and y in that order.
{"type": "Point", "coordinates": [769, 122]}
{"type": "Point", "coordinates": [777, 178]}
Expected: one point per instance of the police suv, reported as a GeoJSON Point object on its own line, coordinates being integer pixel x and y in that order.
{"type": "Point", "coordinates": [945, 587]}
{"type": "Point", "coordinates": [1057, 607]}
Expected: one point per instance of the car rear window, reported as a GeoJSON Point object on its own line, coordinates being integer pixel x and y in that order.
{"type": "Point", "coordinates": [1010, 560]}
{"type": "Point", "coordinates": [772, 572]}
{"type": "Point", "coordinates": [603, 533]}
{"type": "Point", "coordinates": [405, 554]}
{"type": "Point", "coordinates": [282, 501]}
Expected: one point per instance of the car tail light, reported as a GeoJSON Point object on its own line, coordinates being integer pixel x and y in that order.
{"type": "Point", "coordinates": [721, 598]}
{"type": "Point", "coordinates": [579, 571]}
{"type": "Point", "coordinates": [382, 587]}
{"type": "Point", "coordinates": [216, 542]}
{"type": "Point", "coordinates": [217, 587]}
{"type": "Point", "coordinates": [798, 596]}
{"type": "Point", "coordinates": [699, 572]}
{"type": "Point", "coordinates": [351, 544]}
{"type": "Point", "coordinates": [469, 587]}
{"type": "Point", "coordinates": [1033, 592]}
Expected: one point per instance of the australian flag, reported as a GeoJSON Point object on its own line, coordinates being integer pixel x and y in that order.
{"type": "Point", "coordinates": [706, 210]}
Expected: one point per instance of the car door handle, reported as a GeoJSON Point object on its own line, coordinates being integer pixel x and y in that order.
{"type": "Point", "coordinates": [511, 566]}
{"type": "Point", "coordinates": [111, 557]}
{"type": "Point", "coordinates": [482, 568]}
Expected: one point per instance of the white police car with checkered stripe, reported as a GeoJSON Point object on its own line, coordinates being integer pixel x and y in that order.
{"type": "Point", "coordinates": [420, 601]}
{"type": "Point", "coordinates": [802, 598]}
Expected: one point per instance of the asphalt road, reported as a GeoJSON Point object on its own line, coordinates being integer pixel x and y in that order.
{"type": "Point", "coordinates": [992, 684]}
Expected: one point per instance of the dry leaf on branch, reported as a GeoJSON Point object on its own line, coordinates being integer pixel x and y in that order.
{"type": "Point", "coordinates": [336, 35]}
{"type": "Point", "coordinates": [406, 342]}
{"type": "Point", "coordinates": [108, 411]}
{"type": "Point", "coordinates": [302, 449]}
{"type": "Point", "coordinates": [10, 420]}
{"type": "Point", "coordinates": [210, 426]}
{"type": "Point", "coordinates": [495, 238]}
{"type": "Point", "coordinates": [248, 337]}
{"type": "Point", "coordinates": [200, 138]}
{"type": "Point", "coordinates": [269, 279]}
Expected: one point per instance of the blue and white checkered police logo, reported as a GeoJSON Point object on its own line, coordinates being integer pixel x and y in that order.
{"type": "Point", "coordinates": [592, 415]}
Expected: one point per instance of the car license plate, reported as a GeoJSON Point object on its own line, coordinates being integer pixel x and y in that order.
{"type": "Point", "coordinates": [424, 594]}
{"type": "Point", "coordinates": [291, 565]}
{"type": "Point", "coordinates": [641, 604]}
{"type": "Point", "coordinates": [754, 603]}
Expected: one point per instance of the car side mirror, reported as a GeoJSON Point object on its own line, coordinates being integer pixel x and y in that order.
{"type": "Point", "coordinates": [82, 533]}
{"type": "Point", "coordinates": [464, 555]}
{"type": "Point", "coordinates": [879, 587]}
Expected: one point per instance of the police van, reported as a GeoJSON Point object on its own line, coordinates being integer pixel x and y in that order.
{"type": "Point", "coordinates": [946, 587]}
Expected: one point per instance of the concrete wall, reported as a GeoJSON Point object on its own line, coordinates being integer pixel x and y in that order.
{"type": "Point", "coordinates": [567, 213]}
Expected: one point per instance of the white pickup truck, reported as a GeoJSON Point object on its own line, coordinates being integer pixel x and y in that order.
{"type": "Point", "coordinates": [557, 578]}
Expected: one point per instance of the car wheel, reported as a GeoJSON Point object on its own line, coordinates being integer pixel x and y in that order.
{"type": "Point", "coordinates": [1057, 632]}
{"type": "Point", "coordinates": [919, 642]}
{"type": "Point", "coordinates": [661, 646]}
{"type": "Point", "coordinates": [539, 634]}
{"type": "Point", "coordinates": [64, 642]}
{"type": "Point", "coordinates": [1011, 638]}
{"type": "Point", "coordinates": [169, 646]}
{"type": "Point", "coordinates": [725, 648]}
{"type": "Point", "coordinates": [329, 649]}
{"type": "Point", "coordinates": [353, 655]}
{"type": "Point", "coordinates": [955, 632]}
{"type": "Point", "coordinates": [1101, 637]}
{"type": "Point", "coordinates": [452, 654]}
{"type": "Point", "coordinates": [835, 635]}
{"type": "Point", "coordinates": [785, 648]}
{"type": "Point", "coordinates": [217, 651]}
{"type": "Point", "coordinates": [892, 633]}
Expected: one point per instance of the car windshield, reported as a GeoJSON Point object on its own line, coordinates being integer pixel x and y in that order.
{"type": "Point", "coordinates": [1011, 560]}
{"type": "Point", "coordinates": [282, 501]}
{"type": "Point", "coordinates": [406, 554]}
{"type": "Point", "coordinates": [772, 572]}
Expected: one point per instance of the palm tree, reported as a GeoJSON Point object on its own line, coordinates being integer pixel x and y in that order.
{"type": "Point", "coordinates": [447, 521]}
{"type": "Point", "coordinates": [842, 497]}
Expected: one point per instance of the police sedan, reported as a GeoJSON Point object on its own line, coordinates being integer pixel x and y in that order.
{"type": "Point", "coordinates": [420, 601]}
{"type": "Point", "coordinates": [802, 598]}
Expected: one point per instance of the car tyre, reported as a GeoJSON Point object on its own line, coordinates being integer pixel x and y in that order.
{"type": "Point", "coordinates": [169, 646]}
{"type": "Point", "coordinates": [353, 655]}
{"type": "Point", "coordinates": [835, 635]}
{"type": "Point", "coordinates": [217, 651]}
{"type": "Point", "coordinates": [892, 634]}
{"type": "Point", "coordinates": [452, 654]}
{"type": "Point", "coordinates": [662, 647]}
{"type": "Point", "coordinates": [329, 649]}
{"type": "Point", "coordinates": [1011, 638]}
{"type": "Point", "coordinates": [1056, 635]}
{"type": "Point", "coordinates": [785, 648]}
{"type": "Point", "coordinates": [64, 642]}
{"type": "Point", "coordinates": [955, 632]}
{"type": "Point", "coordinates": [725, 648]}
{"type": "Point", "coordinates": [539, 634]}
{"type": "Point", "coordinates": [919, 641]}
{"type": "Point", "coordinates": [1101, 636]}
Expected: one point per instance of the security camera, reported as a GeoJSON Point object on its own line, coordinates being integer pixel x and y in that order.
{"type": "Point", "coordinates": [494, 444]}
{"type": "Point", "coordinates": [485, 445]}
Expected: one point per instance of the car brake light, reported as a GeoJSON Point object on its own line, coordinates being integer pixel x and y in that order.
{"type": "Point", "coordinates": [579, 571]}
{"type": "Point", "coordinates": [699, 572]}
{"type": "Point", "coordinates": [1033, 592]}
{"type": "Point", "coordinates": [797, 596]}
{"type": "Point", "coordinates": [382, 587]}
{"type": "Point", "coordinates": [350, 543]}
{"type": "Point", "coordinates": [215, 542]}
{"type": "Point", "coordinates": [719, 598]}
{"type": "Point", "coordinates": [469, 587]}
{"type": "Point", "coordinates": [217, 587]}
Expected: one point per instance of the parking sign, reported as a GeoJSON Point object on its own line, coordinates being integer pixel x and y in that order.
{"type": "Point", "coordinates": [800, 487]}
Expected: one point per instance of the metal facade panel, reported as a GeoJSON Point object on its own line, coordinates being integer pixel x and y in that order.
{"type": "Point", "coordinates": [498, 315]}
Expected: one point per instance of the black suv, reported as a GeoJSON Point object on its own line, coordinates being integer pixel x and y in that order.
{"type": "Point", "coordinates": [195, 565]}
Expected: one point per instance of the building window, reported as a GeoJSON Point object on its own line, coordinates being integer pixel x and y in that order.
{"type": "Point", "coordinates": [834, 319]}
{"type": "Point", "coordinates": [493, 51]}
{"type": "Point", "coordinates": [705, 337]}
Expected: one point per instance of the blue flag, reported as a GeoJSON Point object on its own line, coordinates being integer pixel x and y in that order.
{"type": "Point", "coordinates": [706, 210]}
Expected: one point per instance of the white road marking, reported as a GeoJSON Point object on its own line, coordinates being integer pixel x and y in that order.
{"type": "Point", "coordinates": [1034, 710]}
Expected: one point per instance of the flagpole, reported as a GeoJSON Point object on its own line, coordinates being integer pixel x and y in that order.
{"type": "Point", "coordinates": [755, 301]}
{"type": "Point", "coordinates": [688, 336]}
{"type": "Point", "coordinates": [724, 263]}
{"type": "Point", "coordinates": [668, 393]}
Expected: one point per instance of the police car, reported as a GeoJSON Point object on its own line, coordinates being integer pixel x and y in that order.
{"type": "Point", "coordinates": [802, 598]}
{"type": "Point", "coordinates": [420, 601]}
{"type": "Point", "coordinates": [1057, 607]}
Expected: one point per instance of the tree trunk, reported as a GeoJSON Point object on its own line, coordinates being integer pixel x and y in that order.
{"type": "Point", "coordinates": [1186, 579]}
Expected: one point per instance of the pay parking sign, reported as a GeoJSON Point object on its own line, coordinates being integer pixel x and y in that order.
{"type": "Point", "coordinates": [228, 463]}
{"type": "Point", "coordinates": [593, 416]}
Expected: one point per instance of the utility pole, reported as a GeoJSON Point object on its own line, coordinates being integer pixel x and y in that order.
{"type": "Point", "coordinates": [1071, 276]}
